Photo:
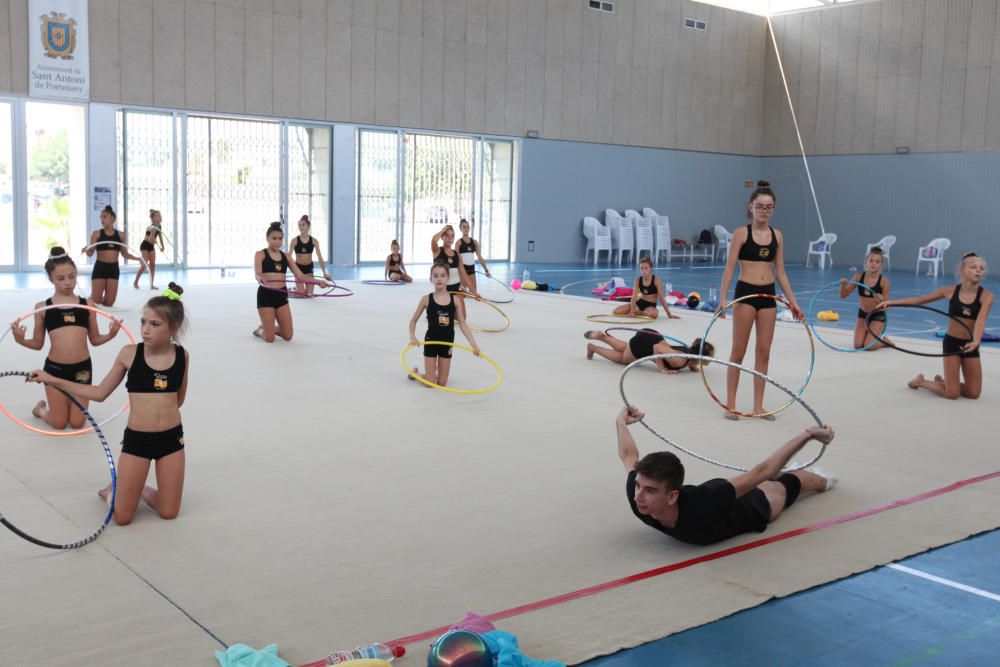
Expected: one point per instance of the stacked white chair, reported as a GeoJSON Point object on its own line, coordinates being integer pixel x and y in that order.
{"type": "Point", "coordinates": [821, 247]}
{"type": "Point", "coordinates": [886, 244]}
{"type": "Point", "coordinates": [622, 233]}
{"type": "Point", "coordinates": [598, 238]}
{"type": "Point", "coordinates": [643, 234]}
{"type": "Point", "coordinates": [661, 233]}
{"type": "Point", "coordinates": [933, 253]}
{"type": "Point", "coordinates": [724, 238]}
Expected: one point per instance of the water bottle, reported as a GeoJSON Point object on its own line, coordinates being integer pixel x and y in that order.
{"type": "Point", "coordinates": [526, 276]}
{"type": "Point", "coordinates": [713, 294]}
{"type": "Point", "coordinates": [669, 287]}
{"type": "Point", "coordinates": [378, 651]}
{"type": "Point", "coordinates": [223, 272]}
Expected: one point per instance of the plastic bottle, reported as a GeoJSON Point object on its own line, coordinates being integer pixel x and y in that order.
{"type": "Point", "coordinates": [669, 287]}
{"type": "Point", "coordinates": [713, 294]}
{"type": "Point", "coordinates": [223, 272]}
{"type": "Point", "coordinates": [526, 276]}
{"type": "Point", "coordinates": [379, 651]}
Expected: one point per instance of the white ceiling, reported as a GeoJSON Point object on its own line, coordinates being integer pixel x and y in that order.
{"type": "Point", "coordinates": [767, 7]}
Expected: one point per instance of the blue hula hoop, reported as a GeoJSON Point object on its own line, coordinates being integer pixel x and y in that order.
{"type": "Point", "coordinates": [809, 312]}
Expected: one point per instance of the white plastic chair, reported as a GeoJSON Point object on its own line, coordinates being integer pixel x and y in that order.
{"type": "Point", "coordinates": [622, 233]}
{"type": "Point", "coordinates": [821, 247]}
{"type": "Point", "coordinates": [598, 238]}
{"type": "Point", "coordinates": [933, 253]}
{"type": "Point", "coordinates": [661, 234]}
{"type": "Point", "coordinates": [886, 244]}
{"type": "Point", "coordinates": [643, 234]}
{"type": "Point", "coordinates": [724, 238]}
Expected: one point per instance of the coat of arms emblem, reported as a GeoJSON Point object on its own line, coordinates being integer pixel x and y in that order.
{"type": "Point", "coordinates": [58, 36]}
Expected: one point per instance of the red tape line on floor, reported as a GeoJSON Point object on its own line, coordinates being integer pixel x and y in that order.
{"type": "Point", "coordinates": [673, 567]}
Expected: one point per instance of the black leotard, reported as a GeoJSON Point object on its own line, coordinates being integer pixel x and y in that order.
{"type": "Point", "coordinates": [145, 380]}
{"type": "Point", "coordinates": [270, 265]}
{"type": "Point", "coordinates": [104, 241]}
{"type": "Point", "coordinates": [752, 252]}
{"type": "Point", "coordinates": [869, 291]}
{"type": "Point", "coordinates": [647, 290]}
{"type": "Point", "coordinates": [305, 248]}
{"type": "Point", "coordinates": [968, 311]}
{"type": "Point", "coordinates": [57, 318]}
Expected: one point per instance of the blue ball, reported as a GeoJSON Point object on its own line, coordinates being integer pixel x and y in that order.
{"type": "Point", "coordinates": [460, 648]}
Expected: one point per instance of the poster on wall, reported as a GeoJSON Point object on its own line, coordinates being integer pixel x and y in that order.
{"type": "Point", "coordinates": [58, 51]}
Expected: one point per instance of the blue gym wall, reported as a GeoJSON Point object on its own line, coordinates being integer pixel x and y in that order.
{"type": "Point", "coordinates": [563, 181]}
{"type": "Point", "coordinates": [917, 197]}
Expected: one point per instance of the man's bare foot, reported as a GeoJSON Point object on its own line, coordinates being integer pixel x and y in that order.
{"type": "Point", "coordinates": [590, 351]}
{"type": "Point", "coordinates": [257, 332]}
{"type": "Point", "coordinates": [37, 410]}
{"type": "Point", "coordinates": [916, 382]}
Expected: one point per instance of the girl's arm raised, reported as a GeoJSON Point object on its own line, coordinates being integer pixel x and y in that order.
{"type": "Point", "coordinates": [37, 340]}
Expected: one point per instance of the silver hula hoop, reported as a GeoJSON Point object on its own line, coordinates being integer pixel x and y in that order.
{"type": "Point", "coordinates": [795, 398]}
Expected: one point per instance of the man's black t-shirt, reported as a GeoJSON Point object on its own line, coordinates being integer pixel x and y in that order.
{"type": "Point", "coordinates": [709, 512]}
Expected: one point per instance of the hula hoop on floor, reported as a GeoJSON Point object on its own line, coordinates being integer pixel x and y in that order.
{"type": "Point", "coordinates": [383, 282]}
{"type": "Point", "coordinates": [868, 326]}
{"type": "Point", "coordinates": [704, 339]}
{"type": "Point", "coordinates": [809, 312]}
{"type": "Point", "coordinates": [649, 331]}
{"type": "Point", "coordinates": [611, 318]}
{"type": "Point", "coordinates": [421, 378]}
{"type": "Point", "coordinates": [491, 305]}
{"type": "Point", "coordinates": [111, 465]}
{"type": "Point", "coordinates": [136, 254]}
{"type": "Point", "coordinates": [331, 287]}
{"type": "Point", "coordinates": [501, 283]}
{"type": "Point", "coordinates": [793, 398]}
{"type": "Point", "coordinates": [78, 431]}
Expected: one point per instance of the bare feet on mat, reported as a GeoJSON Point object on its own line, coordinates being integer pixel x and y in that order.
{"type": "Point", "coordinates": [257, 331]}
{"type": "Point", "coordinates": [916, 382]}
{"type": "Point", "coordinates": [37, 410]}
{"type": "Point", "coordinates": [731, 416]}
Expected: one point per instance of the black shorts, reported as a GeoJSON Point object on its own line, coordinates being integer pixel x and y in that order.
{"type": "Point", "coordinates": [443, 351]}
{"type": "Point", "coordinates": [455, 287]}
{"type": "Point", "coordinates": [80, 373]}
{"type": "Point", "coordinates": [398, 274]}
{"type": "Point", "coordinates": [105, 271]}
{"type": "Point", "coordinates": [877, 317]}
{"type": "Point", "coordinates": [306, 269]}
{"type": "Point", "coordinates": [470, 269]}
{"type": "Point", "coordinates": [271, 298]}
{"type": "Point", "coordinates": [147, 246]}
{"type": "Point", "coordinates": [760, 302]}
{"type": "Point", "coordinates": [952, 346]}
{"type": "Point", "coordinates": [153, 446]}
{"type": "Point", "coordinates": [642, 304]}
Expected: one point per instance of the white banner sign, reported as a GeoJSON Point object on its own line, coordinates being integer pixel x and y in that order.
{"type": "Point", "coordinates": [58, 51]}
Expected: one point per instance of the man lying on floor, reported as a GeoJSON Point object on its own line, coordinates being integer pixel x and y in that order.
{"type": "Point", "coordinates": [717, 509]}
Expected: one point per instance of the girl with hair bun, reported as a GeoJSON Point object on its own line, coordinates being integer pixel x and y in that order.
{"type": "Point", "coordinates": [394, 268]}
{"type": "Point", "coordinates": [156, 376]}
{"type": "Point", "coordinates": [271, 266]}
{"type": "Point", "coordinates": [759, 250]}
{"type": "Point", "coordinates": [968, 302]}
{"type": "Point", "coordinates": [69, 330]}
{"type": "Point", "coordinates": [104, 241]}
{"type": "Point", "coordinates": [154, 234]}
{"type": "Point", "coordinates": [875, 291]}
{"type": "Point", "coordinates": [303, 247]}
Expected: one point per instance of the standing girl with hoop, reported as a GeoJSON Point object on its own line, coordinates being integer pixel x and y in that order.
{"type": "Point", "coordinates": [968, 302]}
{"type": "Point", "coordinates": [448, 256]}
{"type": "Point", "coordinates": [303, 246]}
{"type": "Point", "coordinates": [270, 268]}
{"type": "Point", "coordinates": [69, 330]}
{"type": "Point", "coordinates": [154, 234]}
{"type": "Point", "coordinates": [874, 292]}
{"type": "Point", "coordinates": [104, 278]}
{"type": "Point", "coordinates": [758, 248]}
{"type": "Point", "coordinates": [468, 250]}
{"type": "Point", "coordinates": [395, 270]}
{"type": "Point", "coordinates": [647, 291]}
{"type": "Point", "coordinates": [156, 376]}
{"type": "Point", "coordinates": [443, 310]}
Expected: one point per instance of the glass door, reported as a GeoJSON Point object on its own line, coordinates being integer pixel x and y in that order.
{"type": "Point", "coordinates": [309, 162]}
{"type": "Point", "coordinates": [56, 146]}
{"type": "Point", "coordinates": [6, 187]}
{"type": "Point", "coordinates": [378, 193]}
{"type": "Point", "coordinates": [495, 196]}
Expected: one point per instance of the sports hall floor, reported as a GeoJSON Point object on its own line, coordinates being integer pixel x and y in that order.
{"type": "Point", "coordinates": [303, 526]}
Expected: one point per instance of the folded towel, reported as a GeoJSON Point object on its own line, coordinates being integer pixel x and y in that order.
{"type": "Point", "coordinates": [241, 655]}
{"type": "Point", "coordinates": [507, 654]}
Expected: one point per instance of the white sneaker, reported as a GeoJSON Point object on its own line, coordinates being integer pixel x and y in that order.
{"type": "Point", "coordinates": [831, 478]}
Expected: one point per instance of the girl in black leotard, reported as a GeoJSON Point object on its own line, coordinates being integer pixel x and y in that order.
{"type": "Point", "coordinates": [647, 292]}
{"type": "Point", "coordinates": [468, 251]}
{"type": "Point", "coordinates": [447, 255]}
{"type": "Point", "coordinates": [270, 267]}
{"type": "Point", "coordinates": [303, 246]}
{"type": "Point", "coordinates": [69, 330]}
{"type": "Point", "coordinates": [646, 343]}
{"type": "Point", "coordinates": [154, 234]}
{"type": "Point", "coordinates": [156, 373]}
{"type": "Point", "coordinates": [869, 297]}
{"type": "Point", "coordinates": [104, 241]}
{"type": "Point", "coordinates": [758, 248]}
{"type": "Point", "coordinates": [969, 302]}
{"type": "Point", "coordinates": [443, 310]}
{"type": "Point", "coordinates": [394, 267]}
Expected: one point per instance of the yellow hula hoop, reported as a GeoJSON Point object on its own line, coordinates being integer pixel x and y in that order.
{"type": "Point", "coordinates": [420, 378]}
{"type": "Point", "coordinates": [491, 305]}
{"type": "Point", "coordinates": [611, 318]}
